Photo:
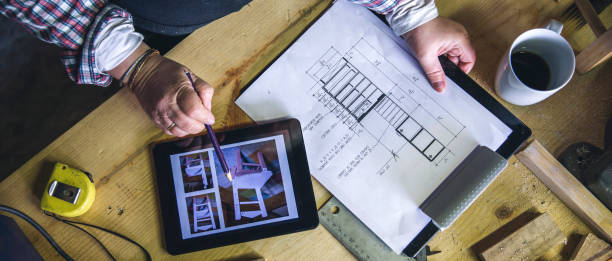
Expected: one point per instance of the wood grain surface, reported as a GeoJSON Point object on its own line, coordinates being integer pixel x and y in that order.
{"type": "Point", "coordinates": [592, 248]}
{"type": "Point", "coordinates": [598, 52]}
{"type": "Point", "coordinates": [591, 17]}
{"type": "Point", "coordinates": [112, 142]}
{"type": "Point", "coordinates": [528, 242]}
{"type": "Point", "coordinates": [575, 195]}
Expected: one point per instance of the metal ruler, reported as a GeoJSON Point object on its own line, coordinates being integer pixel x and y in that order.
{"type": "Point", "coordinates": [355, 236]}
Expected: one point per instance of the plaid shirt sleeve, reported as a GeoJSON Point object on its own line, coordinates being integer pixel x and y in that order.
{"type": "Point", "coordinates": [379, 6]}
{"type": "Point", "coordinates": [72, 24]}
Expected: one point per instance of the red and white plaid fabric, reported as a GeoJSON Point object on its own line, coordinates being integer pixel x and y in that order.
{"type": "Point", "coordinates": [71, 24]}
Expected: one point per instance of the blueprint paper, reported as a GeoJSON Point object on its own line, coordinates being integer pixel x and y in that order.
{"type": "Point", "coordinates": [377, 135]}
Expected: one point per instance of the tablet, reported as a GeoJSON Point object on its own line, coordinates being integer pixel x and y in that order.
{"type": "Point", "coordinates": [269, 192]}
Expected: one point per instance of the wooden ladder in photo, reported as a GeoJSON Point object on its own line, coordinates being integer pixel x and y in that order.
{"type": "Point", "coordinates": [202, 213]}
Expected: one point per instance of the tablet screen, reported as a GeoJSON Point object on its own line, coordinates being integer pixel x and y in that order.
{"type": "Point", "coordinates": [260, 191]}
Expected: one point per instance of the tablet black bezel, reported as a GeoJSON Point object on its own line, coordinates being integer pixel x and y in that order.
{"type": "Point", "coordinates": [300, 176]}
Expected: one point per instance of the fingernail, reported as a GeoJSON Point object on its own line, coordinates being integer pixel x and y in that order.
{"type": "Point", "coordinates": [210, 121]}
{"type": "Point", "coordinates": [438, 86]}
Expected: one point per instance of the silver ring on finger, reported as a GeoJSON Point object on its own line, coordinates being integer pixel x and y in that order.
{"type": "Point", "coordinates": [172, 125]}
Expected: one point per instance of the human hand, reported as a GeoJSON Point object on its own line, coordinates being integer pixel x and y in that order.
{"type": "Point", "coordinates": [165, 93]}
{"type": "Point", "coordinates": [437, 37]}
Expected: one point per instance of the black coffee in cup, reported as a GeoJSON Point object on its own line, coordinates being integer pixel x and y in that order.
{"type": "Point", "coordinates": [531, 69]}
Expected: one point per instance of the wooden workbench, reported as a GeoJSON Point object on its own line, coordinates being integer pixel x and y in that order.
{"type": "Point", "coordinates": [112, 141]}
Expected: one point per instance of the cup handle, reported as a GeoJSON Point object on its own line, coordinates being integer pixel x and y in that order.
{"type": "Point", "coordinates": [554, 26]}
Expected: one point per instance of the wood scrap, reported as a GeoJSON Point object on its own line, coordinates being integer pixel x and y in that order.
{"type": "Point", "coordinates": [528, 242]}
{"type": "Point", "coordinates": [592, 248]}
{"type": "Point", "coordinates": [596, 53]}
{"type": "Point", "coordinates": [569, 190]}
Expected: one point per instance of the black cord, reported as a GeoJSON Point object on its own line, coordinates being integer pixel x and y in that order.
{"type": "Point", "coordinates": [71, 223]}
{"type": "Point", "coordinates": [39, 228]}
{"type": "Point", "coordinates": [148, 256]}
{"type": "Point", "coordinates": [87, 232]}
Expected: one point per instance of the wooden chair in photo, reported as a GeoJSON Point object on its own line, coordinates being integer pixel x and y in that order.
{"type": "Point", "coordinates": [202, 213]}
{"type": "Point", "coordinates": [247, 175]}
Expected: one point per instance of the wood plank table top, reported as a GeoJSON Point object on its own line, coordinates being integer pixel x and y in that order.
{"type": "Point", "coordinates": [113, 141]}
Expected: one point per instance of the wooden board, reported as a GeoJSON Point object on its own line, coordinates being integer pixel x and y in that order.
{"type": "Point", "coordinates": [567, 188]}
{"type": "Point", "coordinates": [591, 248]}
{"type": "Point", "coordinates": [597, 52]}
{"type": "Point", "coordinates": [528, 242]}
{"type": "Point", "coordinates": [112, 142]}
{"type": "Point", "coordinates": [591, 17]}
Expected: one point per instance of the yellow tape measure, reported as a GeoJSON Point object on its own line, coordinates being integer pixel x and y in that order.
{"type": "Point", "coordinates": [70, 192]}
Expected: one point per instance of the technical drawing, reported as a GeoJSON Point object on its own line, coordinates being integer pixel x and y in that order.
{"type": "Point", "coordinates": [358, 89]}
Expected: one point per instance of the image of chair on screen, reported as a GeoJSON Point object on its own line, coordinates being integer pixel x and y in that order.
{"type": "Point", "coordinates": [247, 175]}
{"type": "Point", "coordinates": [256, 191]}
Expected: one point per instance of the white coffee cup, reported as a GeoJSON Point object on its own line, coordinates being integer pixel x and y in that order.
{"type": "Point", "coordinates": [546, 43]}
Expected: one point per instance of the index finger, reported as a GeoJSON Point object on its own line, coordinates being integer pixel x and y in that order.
{"type": "Point", "coordinates": [205, 91]}
{"type": "Point", "coordinates": [190, 104]}
{"type": "Point", "coordinates": [466, 54]}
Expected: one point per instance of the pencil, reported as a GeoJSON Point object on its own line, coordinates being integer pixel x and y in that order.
{"type": "Point", "coordinates": [213, 138]}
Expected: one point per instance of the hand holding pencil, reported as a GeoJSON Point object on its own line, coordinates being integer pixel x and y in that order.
{"type": "Point", "coordinates": [213, 137]}
{"type": "Point", "coordinates": [168, 97]}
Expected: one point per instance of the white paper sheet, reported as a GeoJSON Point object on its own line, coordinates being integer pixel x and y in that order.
{"type": "Point", "coordinates": [377, 135]}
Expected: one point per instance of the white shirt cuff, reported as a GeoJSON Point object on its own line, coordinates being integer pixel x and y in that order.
{"type": "Point", "coordinates": [410, 14]}
{"type": "Point", "coordinates": [115, 43]}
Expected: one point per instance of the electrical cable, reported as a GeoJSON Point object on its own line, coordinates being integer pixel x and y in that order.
{"type": "Point", "coordinates": [71, 223]}
{"type": "Point", "coordinates": [39, 228]}
{"type": "Point", "coordinates": [87, 232]}
{"type": "Point", "coordinates": [148, 256]}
